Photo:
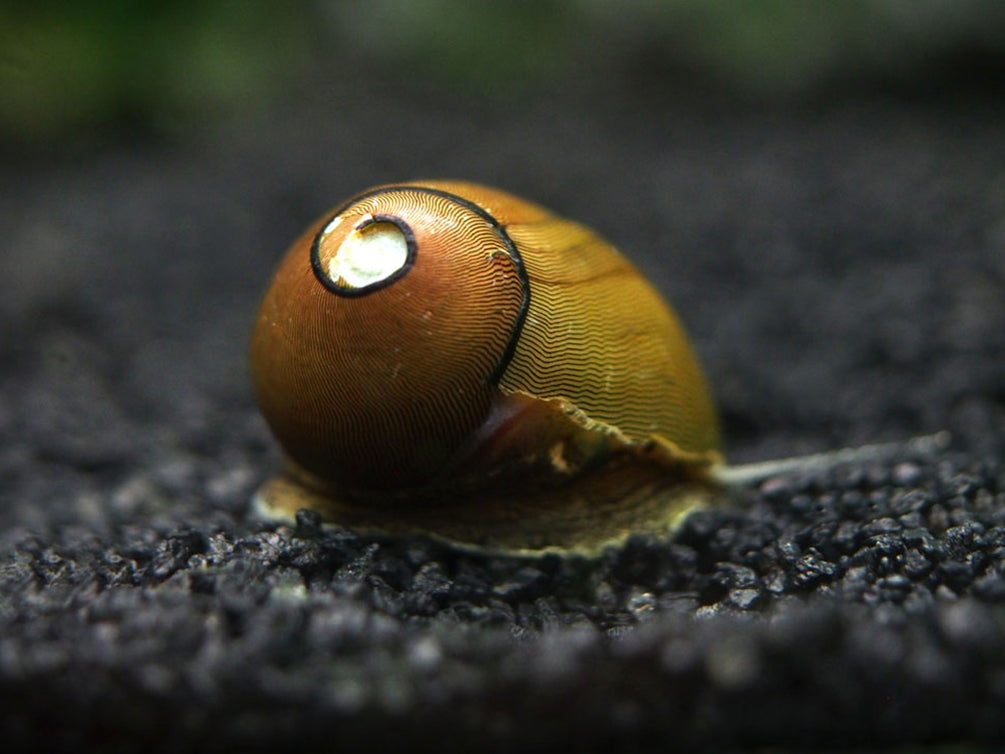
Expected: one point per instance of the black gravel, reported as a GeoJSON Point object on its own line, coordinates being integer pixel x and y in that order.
{"type": "Point", "coordinates": [841, 267]}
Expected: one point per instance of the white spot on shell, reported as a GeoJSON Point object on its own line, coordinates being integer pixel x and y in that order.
{"type": "Point", "coordinates": [368, 255]}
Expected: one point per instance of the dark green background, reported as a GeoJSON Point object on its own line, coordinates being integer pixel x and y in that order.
{"type": "Point", "coordinates": [68, 68]}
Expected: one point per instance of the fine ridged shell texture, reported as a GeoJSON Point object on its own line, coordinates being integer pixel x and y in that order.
{"type": "Point", "coordinates": [446, 358]}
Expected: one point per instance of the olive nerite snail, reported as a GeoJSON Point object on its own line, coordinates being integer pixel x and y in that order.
{"type": "Point", "coordinates": [443, 358]}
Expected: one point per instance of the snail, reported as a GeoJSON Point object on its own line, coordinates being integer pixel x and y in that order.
{"type": "Point", "coordinates": [444, 358]}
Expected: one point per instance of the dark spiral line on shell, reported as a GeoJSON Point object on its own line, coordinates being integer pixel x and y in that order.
{"type": "Point", "coordinates": [498, 227]}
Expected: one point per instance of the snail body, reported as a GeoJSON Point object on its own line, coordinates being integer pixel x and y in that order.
{"type": "Point", "coordinates": [447, 358]}
{"type": "Point", "coordinates": [444, 358]}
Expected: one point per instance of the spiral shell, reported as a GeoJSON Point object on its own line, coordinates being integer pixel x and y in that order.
{"type": "Point", "coordinates": [445, 358]}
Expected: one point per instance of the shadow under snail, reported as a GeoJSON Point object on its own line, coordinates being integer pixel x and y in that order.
{"type": "Point", "coordinates": [447, 359]}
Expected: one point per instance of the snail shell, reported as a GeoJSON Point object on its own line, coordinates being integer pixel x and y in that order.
{"type": "Point", "coordinates": [446, 358]}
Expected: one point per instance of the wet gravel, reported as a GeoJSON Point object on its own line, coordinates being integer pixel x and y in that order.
{"type": "Point", "coordinates": [842, 270]}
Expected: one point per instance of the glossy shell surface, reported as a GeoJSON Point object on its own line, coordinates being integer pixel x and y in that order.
{"type": "Point", "coordinates": [447, 358]}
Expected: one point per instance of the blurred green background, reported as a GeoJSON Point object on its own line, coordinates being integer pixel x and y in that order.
{"type": "Point", "coordinates": [68, 68]}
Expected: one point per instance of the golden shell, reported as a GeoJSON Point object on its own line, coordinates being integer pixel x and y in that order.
{"type": "Point", "coordinates": [446, 358]}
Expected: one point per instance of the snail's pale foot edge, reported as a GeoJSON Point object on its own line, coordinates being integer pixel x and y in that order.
{"type": "Point", "coordinates": [579, 516]}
